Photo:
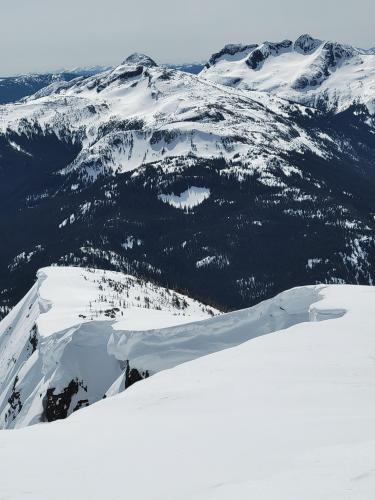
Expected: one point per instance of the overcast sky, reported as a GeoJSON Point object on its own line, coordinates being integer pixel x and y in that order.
{"type": "Point", "coordinates": [40, 35]}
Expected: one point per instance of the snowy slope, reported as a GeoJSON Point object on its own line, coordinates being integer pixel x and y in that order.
{"type": "Point", "coordinates": [139, 113]}
{"type": "Point", "coordinates": [143, 169]}
{"type": "Point", "coordinates": [82, 334]}
{"type": "Point", "coordinates": [56, 338]}
{"type": "Point", "coordinates": [14, 88]}
{"type": "Point", "coordinates": [284, 416]}
{"type": "Point", "coordinates": [312, 72]}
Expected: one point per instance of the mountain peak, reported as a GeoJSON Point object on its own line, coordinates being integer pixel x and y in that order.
{"type": "Point", "coordinates": [230, 51]}
{"type": "Point", "coordinates": [306, 44]}
{"type": "Point", "coordinates": [139, 59]}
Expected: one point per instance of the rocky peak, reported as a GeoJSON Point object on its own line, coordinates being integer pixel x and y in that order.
{"type": "Point", "coordinates": [335, 53]}
{"type": "Point", "coordinates": [306, 44]}
{"type": "Point", "coordinates": [259, 55]}
{"type": "Point", "coordinates": [232, 49]}
{"type": "Point", "coordinates": [138, 59]}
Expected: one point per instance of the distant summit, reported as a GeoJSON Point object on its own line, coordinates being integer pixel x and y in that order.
{"type": "Point", "coordinates": [138, 59]}
{"type": "Point", "coordinates": [306, 44]}
{"type": "Point", "coordinates": [318, 73]}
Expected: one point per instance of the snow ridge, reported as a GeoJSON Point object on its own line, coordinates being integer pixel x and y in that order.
{"type": "Point", "coordinates": [138, 114]}
{"type": "Point", "coordinates": [74, 320]}
{"type": "Point", "coordinates": [324, 74]}
{"type": "Point", "coordinates": [52, 342]}
{"type": "Point", "coordinates": [293, 410]}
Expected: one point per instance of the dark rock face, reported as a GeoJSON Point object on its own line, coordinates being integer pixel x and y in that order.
{"type": "Point", "coordinates": [57, 406]}
{"type": "Point", "coordinates": [33, 339]}
{"type": "Point", "coordinates": [15, 402]}
{"type": "Point", "coordinates": [230, 50]}
{"type": "Point", "coordinates": [306, 44]}
{"type": "Point", "coordinates": [335, 53]}
{"type": "Point", "coordinates": [258, 56]}
{"type": "Point", "coordinates": [82, 403]}
{"type": "Point", "coordinates": [138, 59]}
{"type": "Point", "coordinates": [132, 375]}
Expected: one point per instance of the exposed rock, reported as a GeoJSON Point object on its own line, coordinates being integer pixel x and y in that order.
{"type": "Point", "coordinates": [306, 44]}
{"type": "Point", "coordinates": [56, 406]}
{"type": "Point", "coordinates": [15, 402]}
{"type": "Point", "coordinates": [231, 50]}
{"type": "Point", "coordinates": [139, 59]}
{"type": "Point", "coordinates": [132, 375]}
{"type": "Point", "coordinates": [259, 55]}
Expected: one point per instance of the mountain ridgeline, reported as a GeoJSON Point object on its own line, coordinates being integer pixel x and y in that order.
{"type": "Point", "coordinates": [256, 175]}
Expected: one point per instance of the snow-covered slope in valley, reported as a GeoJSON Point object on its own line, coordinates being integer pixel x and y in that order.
{"type": "Point", "coordinates": [53, 344]}
{"type": "Point", "coordinates": [188, 199]}
{"type": "Point", "coordinates": [284, 416]}
{"type": "Point", "coordinates": [313, 72]}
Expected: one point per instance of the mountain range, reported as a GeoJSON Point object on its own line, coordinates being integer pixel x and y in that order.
{"type": "Point", "coordinates": [322, 74]}
{"type": "Point", "coordinates": [182, 273]}
{"type": "Point", "coordinates": [190, 180]}
{"type": "Point", "coordinates": [14, 88]}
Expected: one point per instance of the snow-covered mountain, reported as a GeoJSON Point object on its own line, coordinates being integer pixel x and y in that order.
{"type": "Point", "coordinates": [285, 415]}
{"type": "Point", "coordinates": [140, 113]}
{"type": "Point", "coordinates": [323, 74]}
{"type": "Point", "coordinates": [194, 68]}
{"type": "Point", "coordinates": [178, 179]}
{"type": "Point", "coordinates": [55, 345]}
{"type": "Point", "coordinates": [14, 88]}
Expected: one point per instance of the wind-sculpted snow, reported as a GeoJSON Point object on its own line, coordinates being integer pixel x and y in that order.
{"type": "Point", "coordinates": [53, 344]}
{"type": "Point", "coordinates": [285, 415]}
{"type": "Point", "coordinates": [81, 335]}
{"type": "Point", "coordinates": [160, 349]}
{"type": "Point", "coordinates": [323, 74]}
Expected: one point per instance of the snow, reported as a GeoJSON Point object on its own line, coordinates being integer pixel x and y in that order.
{"type": "Point", "coordinates": [25, 257]}
{"type": "Point", "coordinates": [309, 78]}
{"type": "Point", "coordinates": [311, 263]}
{"type": "Point", "coordinates": [130, 242]}
{"type": "Point", "coordinates": [287, 415]}
{"type": "Point", "coordinates": [60, 334]}
{"type": "Point", "coordinates": [135, 115]}
{"type": "Point", "coordinates": [218, 261]}
{"type": "Point", "coordinates": [188, 199]}
{"type": "Point", "coordinates": [18, 148]}
{"type": "Point", "coordinates": [76, 295]}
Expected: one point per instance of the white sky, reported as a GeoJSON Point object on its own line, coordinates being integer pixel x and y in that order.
{"type": "Point", "coordinates": [39, 35]}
